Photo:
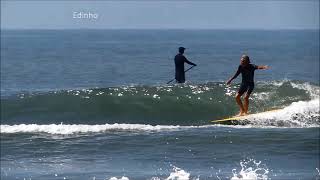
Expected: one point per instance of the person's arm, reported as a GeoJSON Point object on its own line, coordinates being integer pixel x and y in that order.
{"type": "Point", "coordinates": [234, 76]}
{"type": "Point", "coordinates": [262, 67]}
{"type": "Point", "coordinates": [189, 62]}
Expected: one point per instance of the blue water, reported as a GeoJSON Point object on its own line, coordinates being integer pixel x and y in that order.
{"type": "Point", "coordinates": [94, 104]}
{"type": "Point", "coordinates": [48, 59]}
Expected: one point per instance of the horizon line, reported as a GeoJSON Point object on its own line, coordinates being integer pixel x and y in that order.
{"type": "Point", "coordinates": [265, 29]}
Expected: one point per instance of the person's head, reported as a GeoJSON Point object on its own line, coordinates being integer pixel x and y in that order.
{"type": "Point", "coordinates": [245, 60]}
{"type": "Point", "coordinates": [181, 50]}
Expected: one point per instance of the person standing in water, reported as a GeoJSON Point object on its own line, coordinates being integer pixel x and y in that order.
{"type": "Point", "coordinates": [247, 84]}
{"type": "Point", "coordinates": [179, 61]}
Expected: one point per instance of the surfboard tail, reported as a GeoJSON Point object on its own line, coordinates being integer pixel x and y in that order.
{"type": "Point", "coordinates": [240, 120]}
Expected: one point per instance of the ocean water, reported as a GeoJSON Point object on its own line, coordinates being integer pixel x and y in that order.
{"type": "Point", "coordinates": [94, 104]}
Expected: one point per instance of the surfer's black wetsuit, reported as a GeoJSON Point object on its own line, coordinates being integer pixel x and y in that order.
{"type": "Point", "coordinates": [179, 61]}
{"type": "Point", "coordinates": [247, 84]}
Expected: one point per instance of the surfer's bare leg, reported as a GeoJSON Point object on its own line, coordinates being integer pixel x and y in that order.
{"type": "Point", "coordinates": [246, 104]}
{"type": "Point", "coordinates": [239, 102]}
{"type": "Point", "coordinates": [246, 98]}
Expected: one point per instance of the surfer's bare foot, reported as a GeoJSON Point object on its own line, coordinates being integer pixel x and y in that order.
{"type": "Point", "coordinates": [241, 114]}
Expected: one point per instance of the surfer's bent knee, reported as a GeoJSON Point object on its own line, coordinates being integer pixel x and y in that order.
{"type": "Point", "coordinates": [247, 96]}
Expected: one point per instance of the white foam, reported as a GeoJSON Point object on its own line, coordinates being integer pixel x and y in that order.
{"type": "Point", "coordinates": [83, 128]}
{"type": "Point", "coordinates": [298, 114]}
{"type": "Point", "coordinates": [178, 174]}
{"type": "Point", "coordinates": [261, 96]}
{"type": "Point", "coordinates": [314, 91]}
{"type": "Point", "coordinates": [66, 129]}
{"type": "Point", "coordinates": [251, 170]}
{"type": "Point", "coordinates": [122, 178]}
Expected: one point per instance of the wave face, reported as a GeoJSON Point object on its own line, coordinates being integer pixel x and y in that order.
{"type": "Point", "coordinates": [163, 105]}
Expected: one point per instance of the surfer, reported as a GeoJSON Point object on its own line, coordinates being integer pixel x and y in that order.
{"type": "Point", "coordinates": [247, 84]}
{"type": "Point", "coordinates": [179, 61]}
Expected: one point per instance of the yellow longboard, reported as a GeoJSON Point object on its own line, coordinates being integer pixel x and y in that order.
{"type": "Point", "coordinates": [240, 120]}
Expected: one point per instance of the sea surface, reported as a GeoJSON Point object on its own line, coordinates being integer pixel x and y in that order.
{"type": "Point", "coordinates": [95, 105]}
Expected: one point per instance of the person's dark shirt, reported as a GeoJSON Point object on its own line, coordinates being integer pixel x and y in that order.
{"type": "Point", "coordinates": [179, 61]}
{"type": "Point", "coordinates": [247, 73]}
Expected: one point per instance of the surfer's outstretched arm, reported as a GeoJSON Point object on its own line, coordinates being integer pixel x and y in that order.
{"type": "Point", "coordinates": [263, 67]}
{"type": "Point", "coordinates": [234, 76]}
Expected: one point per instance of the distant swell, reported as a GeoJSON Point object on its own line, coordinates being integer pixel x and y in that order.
{"type": "Point", "coordinates": [184, 105]}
